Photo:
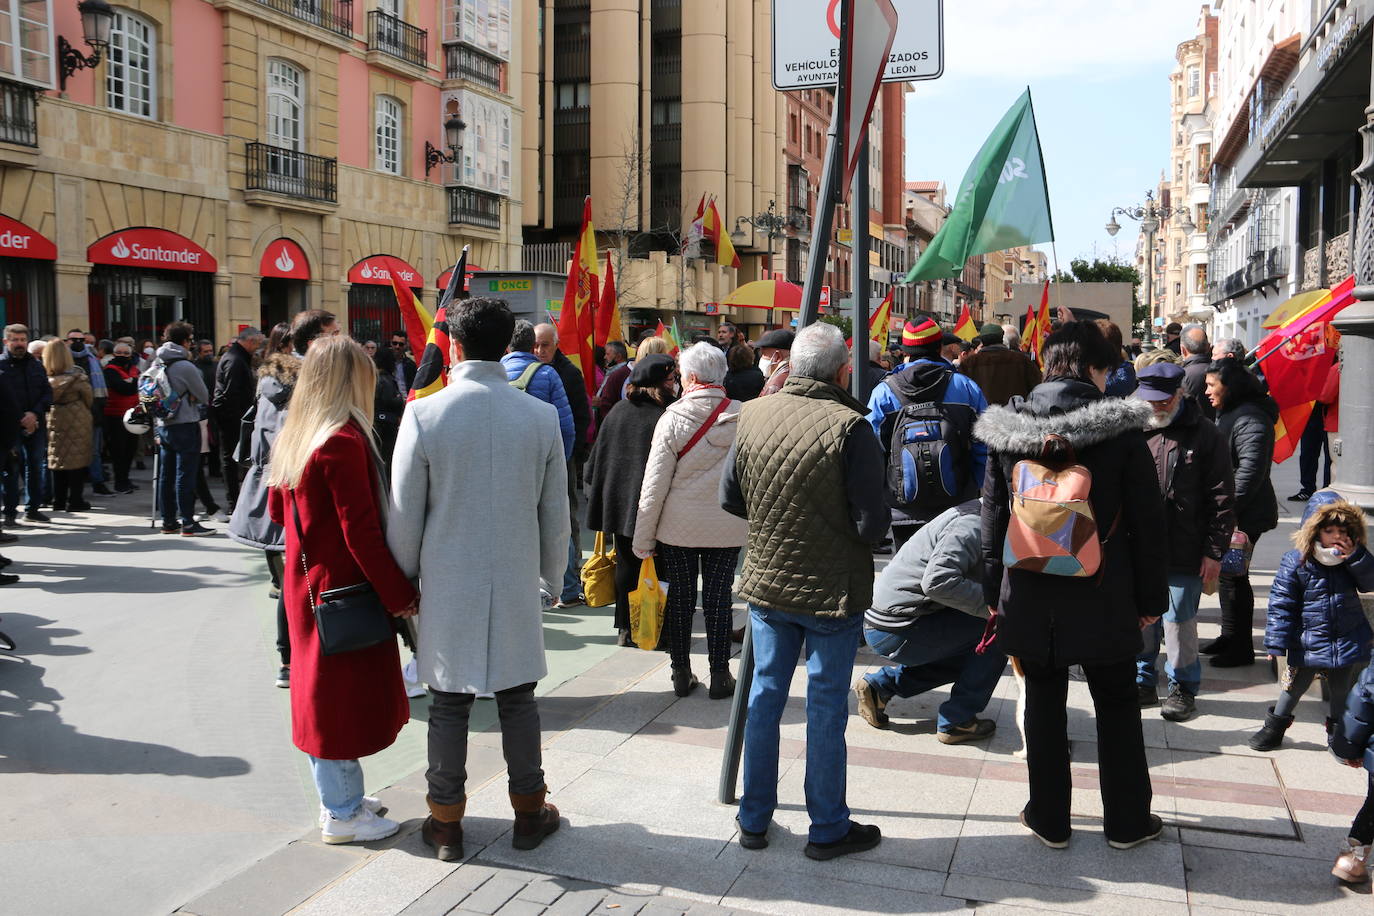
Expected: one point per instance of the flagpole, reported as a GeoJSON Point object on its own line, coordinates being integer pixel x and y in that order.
{"type": "Point", "coordinates": [1054, 253]}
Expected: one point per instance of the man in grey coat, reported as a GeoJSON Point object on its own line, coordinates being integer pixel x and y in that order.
{"type": "Point", "coordinates": [929, 616]}
{"type": "Point", "coordinates": [179, 434]}
{"type": "Point", "coordinates": [479, 513]}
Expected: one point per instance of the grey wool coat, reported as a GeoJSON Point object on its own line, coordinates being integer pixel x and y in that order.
{"type": "Point", "coordinates": [479, 513]}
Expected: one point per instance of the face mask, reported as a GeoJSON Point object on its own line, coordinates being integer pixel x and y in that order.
{"type": "Point", "coordinates": [78, 346]}
{"type": "Point", "coordinates": [122, 361]}
{"type": "Point", "coordinates": [1328, 556]}
{"type": "Point", "coordinates": [766, 365]}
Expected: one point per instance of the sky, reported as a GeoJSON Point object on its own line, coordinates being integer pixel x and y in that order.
{"type": "Point", "coordinates": [1098, 71]}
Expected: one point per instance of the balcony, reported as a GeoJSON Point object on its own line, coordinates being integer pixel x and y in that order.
{"type": "Point", "coordinates": [549, 257]}
{"type": "Point", "coordinates": [799, 218]}
{"type": "Point", "coordinates": [1266, 266]}
{"type": "Point", "coordinates": [334, 15]}
{"type": "Point", "coordinates": [471, 207]}
{"type": "Point", "coordinates": [464, 63]}
{"type": "Point", "coordinates": [572, 58]}
{"type": "Point", "coordinates": [397, 39]}
{"type": "Point", "coordinates": [286, 173]}
{"type": "Point", "coordinates": [18, 114]}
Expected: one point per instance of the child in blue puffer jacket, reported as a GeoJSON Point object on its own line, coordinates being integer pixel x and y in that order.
{"type": "Point", "coordinates": [1353, 742]}
{"type": "Point", "coordinates": [1315, 615]}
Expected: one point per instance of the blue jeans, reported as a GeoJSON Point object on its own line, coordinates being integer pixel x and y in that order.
{"type": "Point", "coordinates": [1311, 448]}
{"type": "Point", "coordinates": [180, 457]}
{"type": "Point", "coordinates": [1177, 629]}
{"type": "Point", "coordinates": [937, 649]}
{"type": "Point", "coordinates": [830, 644]}
{"type": "Point", "coordinates": [29, 464]}
{"type": "Point", "coordinates": [97, 468]}
{"type": "Point", "coordinates": [340, 784]}
{"type": "Point", "coordinates": [572, 576]}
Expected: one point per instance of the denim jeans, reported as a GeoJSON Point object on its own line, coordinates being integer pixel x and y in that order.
{"type": "Point", "coordinates": [29, 464]}
{"type": "Point", "coordinates": [830, 644]}
{"type": "Point", "coordinates": [180, 457]}
{"type": "Point", "coordinates": [340, 784]}
{"type": "Point", "coordinates": [1177, 629]}
{"type": "Point", "coordinates": [1313, 445]}
{"type": "Point", "coordinates": [572, 576]}
{"type": "Point", "coordinates": [937, 649]}
{"type": "Point", "coordinates": [97, 466]}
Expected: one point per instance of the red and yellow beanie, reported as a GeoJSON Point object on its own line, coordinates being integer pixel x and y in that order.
{"type": "Point", "coordinates": [923, 333]}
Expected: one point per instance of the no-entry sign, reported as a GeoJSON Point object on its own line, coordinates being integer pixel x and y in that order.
{"type": "Point", "coordinates": [806, 43]}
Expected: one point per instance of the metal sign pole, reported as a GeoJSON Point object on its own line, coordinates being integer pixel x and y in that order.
{"type": "Point", "coordinates": [858, 219]}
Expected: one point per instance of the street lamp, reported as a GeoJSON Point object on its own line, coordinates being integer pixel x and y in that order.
{"type": "Point", "coordinates": [1150, 216]}
{"type": "Point", "coordinates": [770, 222]}
{"type": "Point", "coordinates": [453, 137]}
{"type": "Point", "coordinates": [96, 19]}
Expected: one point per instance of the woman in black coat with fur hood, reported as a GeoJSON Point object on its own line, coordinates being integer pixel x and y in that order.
{"type": "Point", "coordinates": [1054, 613]}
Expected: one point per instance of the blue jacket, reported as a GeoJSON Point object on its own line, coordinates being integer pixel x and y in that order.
{"type": "Point", "coordinates": [1353, 736]}
{"type": "Point", "coordinates": [27, 382]}
{"type": "Point", "coordinates": [547, 387]}
{"type": "Point", "coordinates": [1314, 611]}
{"type": "Point", "coordinates": [1121, 381]}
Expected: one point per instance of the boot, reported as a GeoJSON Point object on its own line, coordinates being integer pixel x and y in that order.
{"type": "Point", "coordinates": [684, 681]}
{"type": "Point", "coordinates": [1352, 865]}
{"type": "Point", "coordinates": [1270, 736]}
{"type": "Point", "coordinates": [442, 831]}
{"type": "Point", "coordinates": [534, 819]}
{"type": "Point", "coordinates": [722, 684]}
{"type": "Point", "coordinates": [1217, 646]}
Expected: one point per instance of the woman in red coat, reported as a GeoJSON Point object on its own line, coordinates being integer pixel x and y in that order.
{"type": "Point", "coordinates": [324, 468]}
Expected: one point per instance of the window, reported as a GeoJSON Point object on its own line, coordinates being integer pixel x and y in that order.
{"type": "Point", "coordinates": [130, 83]}
{"type": "Point", "coordinates": [388, 135]}
{"type": "Point", "coordinates": [666, 111]}
{"type": "Point", "coordinates": [1178, 251]}
{"type": "Point", "coordinates": [1204, 158]}
{"type": "Point", "coordinates": [285, 103]}
{"type": "Point", "coordinates": [808, 140]}
{"type": "Point", "coordinates": [573, 95]}
{"type": "Point", "coordinates": [1194, 82]}
{"type": "Point", "coordinates": [1201, 220]}
{"type": "Point", "coordinates": [26, 40]}
{"type": "Point", "coordinates": [793, 135]}
{"type": "Point", "coordinates": [1200, 279]}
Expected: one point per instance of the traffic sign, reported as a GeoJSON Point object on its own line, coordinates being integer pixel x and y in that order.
{"type": "Point", "coordinates": [825, 298]}
{"type": "Point", "coordinates": [872, 29]}
{"type": "Point", "coordinates": [806, 43]}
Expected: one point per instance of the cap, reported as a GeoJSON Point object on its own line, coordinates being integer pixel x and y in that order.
{"type": "Point", "coordinates": [1159, 381]}
{"type": "Point", "coordinates": [775, 340]}
{"type": "Point", "coordinates": [652, 371]}
{"type": "Point", "coordinates": [946, 339]}
{"type": "Point", "coordinates": [924, 333]}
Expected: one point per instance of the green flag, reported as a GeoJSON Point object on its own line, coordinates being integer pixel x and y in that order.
{"type": "Point", "coordinates": [1003, 200]}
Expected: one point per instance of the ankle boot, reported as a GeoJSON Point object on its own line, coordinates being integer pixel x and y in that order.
{"type": "Point", "coordinates": [1352, 865]}
{"type": "Point", "coordinates": [442, 831]}
{"type": "Point", "coordinates": [722, 684]}
{"type": "Point", "coordinates": [684, 681]}
{"type": "Point", "coordinates": [1270, 736]}
{"type": "Point", "coordinates": [1216, 646]}
{"type": "Point", "coordinates": [534, 819]}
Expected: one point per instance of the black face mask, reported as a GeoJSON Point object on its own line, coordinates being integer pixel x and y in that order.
{"type": "Point", "coordinates": [78, 346]}
{"type": "Point", "coordinates": [123, 362]}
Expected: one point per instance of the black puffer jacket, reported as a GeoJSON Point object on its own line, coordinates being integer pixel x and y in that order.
{"type": "Point", "coordinates": [615, 469]}
{"type": "Point", "coordinates": [1248, 426]}
{"type": "Point", "coordinates": [1059, 620]}
{"type": "Point", "coordinates": [1194, 468]}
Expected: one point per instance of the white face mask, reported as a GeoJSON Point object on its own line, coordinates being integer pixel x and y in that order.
{"type": "Point", "coordinates": [1328, 556]}
{"type": "Point", "coordinates": [766, 365]}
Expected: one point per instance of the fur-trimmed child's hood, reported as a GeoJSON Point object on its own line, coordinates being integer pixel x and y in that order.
{"type": "Point", "coordinates": [1327, 507]}
{"type": "Point", "coordinates": [1021, 428]}
{"type": "Point", "coordinates": [277, 377]}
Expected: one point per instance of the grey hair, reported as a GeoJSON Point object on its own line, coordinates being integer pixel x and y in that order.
{"type": "Point", "coordinates": [1195, 344]}
{"type": "Point", "coordinates": [618, 347]}
{"type": "Point", "coordinates": [875, 350]}
{"type": "Point", "coordinates": [819, 352]}
{"type": "Point", "coordinates": [522, 340]}
{"type": "Point", "coordinates": [551, 327]}
{"type": "Point", "coordinates": [705, 361]}
{"type": "Point", "coordinates": [1232, 345]}
{"type": "Point", "coordinates": [1011, 337]}
{"type": "Point", "coordinates": [249, 333]}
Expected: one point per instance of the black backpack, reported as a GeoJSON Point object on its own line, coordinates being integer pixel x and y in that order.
{"type": "Point", "coordinates": [930, 461]}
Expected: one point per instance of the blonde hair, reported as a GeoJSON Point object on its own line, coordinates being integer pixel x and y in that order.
{"type": "Point", "coordinates": [337, 383]}
{"type": "Point", "coordinates": [57, 359]}
{"type": "Point", "coordinates": [1157, 355]}
{"type": "Point", "coordinates": [651, 346]}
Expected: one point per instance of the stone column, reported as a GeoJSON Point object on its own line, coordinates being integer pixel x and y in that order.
{"type": "Point", "coordinates": [1353, 445]}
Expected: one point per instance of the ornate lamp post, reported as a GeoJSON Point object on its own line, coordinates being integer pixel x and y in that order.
{"type": "Point", "coordinates": [1150, 216]}
{"type": "Point", "coordinates": [453, 137]}
{"type": "Point", "coordinates": [770, 222]}
{"type": "Point", "coordinates": [96, 19]}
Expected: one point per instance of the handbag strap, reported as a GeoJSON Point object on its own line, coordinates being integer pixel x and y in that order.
{"type": "Point", "coordinates": [704, 428]}
{"type": "Point", "coordinates": [300, 543]}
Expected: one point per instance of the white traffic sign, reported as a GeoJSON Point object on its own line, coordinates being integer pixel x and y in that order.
{"type": "Point", "coordinates": [806, 43]}
{"type": "Point", "coordinates": [871, 33]}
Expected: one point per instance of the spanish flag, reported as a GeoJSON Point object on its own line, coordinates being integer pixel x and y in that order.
{"type": "Point", "coordinates": [715, 231]}
{"type": "Point", "coordinates": [965, 329]}
{"type": "Point", "coordinates": [1042, 325]}
{"type": "Point", "coordinates": [608, 310]}
{"type": "Point", "coordinates": [666, 334]}
{"type": "Point", "coordinates": [1028, 332]}
{"type": "Point", "coordinates": [576, 322]}
{"type": "Point", "coordinates": [881, 320]}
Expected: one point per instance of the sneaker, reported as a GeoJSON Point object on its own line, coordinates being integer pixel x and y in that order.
{"type": "Point", "coordinates": [363, 827]}
{"type": "Point", "coordinates": [369, 802]}
{"type": "Point", "coordinates": [1352, 865]}
{"type": "Point", "coordinates": [1155, 829]}
{"type": "Point", "coordinates": [1052, 844]}
{"type": "Point", "coordinates": [861, 838]}
{"type": "Point", "coordinates": [1146, 695]}
{"type": "Point", "coordinates": [81, 506]}
{"type": "Point", "coordinates": [575, 601]}
{"type": "Point", "coordinates": [7, 538]}
{"type": "Point", "coordinates": [1180, 706]}
{"type": "Point", "coordinates": [871, 705]}
{"type": "Point", "coordinates": [274, 593]}
{"type": "Point", "coordinates": [197, 530]}
{"type": "Point", "coordinates": [171, 529]}
{"type": "Point", "coordinates": [11, 518]}
{"type": "Point", "coordinates": [101, 490]}
{"type": "Point", "coordinates": [124, 489]}
{"type": "Point", "coordinates": [8, 578]}
{"type": "Point", "coordinates": [284, 676]}
{"type": "Point", "coordinates": [410, 674]}
{"type": "Point", "coordinates": [5, 562]}
{"type": "Point", "coordinates": [751, 840]}
{"type": "Point", "coordinates": [973, 730]}
{"type": "Point", "coordinates": [1301, 496]}
{"type": "Point", "coordinates": [33, 515]}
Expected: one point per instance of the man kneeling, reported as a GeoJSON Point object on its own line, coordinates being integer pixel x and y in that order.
{"type": "Point", "coordinates": [928, 616]}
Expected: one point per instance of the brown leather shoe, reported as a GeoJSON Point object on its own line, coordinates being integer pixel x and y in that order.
{"type": "Point", "coordinates": [442, 831]}
{"type": "Point", "coordinates": [534, 819]}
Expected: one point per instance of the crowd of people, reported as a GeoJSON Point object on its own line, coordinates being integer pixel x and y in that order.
{"type": "Point", "coordinates": [1064, 517]}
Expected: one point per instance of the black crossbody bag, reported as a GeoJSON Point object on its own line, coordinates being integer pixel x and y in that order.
{"type": "Point", "coordinates": [348, 618]}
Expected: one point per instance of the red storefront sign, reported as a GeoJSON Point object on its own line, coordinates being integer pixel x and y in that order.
{"type": "Point", "coordinates": [146, 248]}
{"type": "Point", "coordinates": [374, 271]}
{"type": "Point", "coordinates": [19, 241]}
{"type": "Point", "coordinates": [442, 282]}
{"type": "Point", "coordinates": [285, 259]}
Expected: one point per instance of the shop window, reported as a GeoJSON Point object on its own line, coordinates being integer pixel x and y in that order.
{"type": "Point", "coordinates": [140, 303]}
{"type": "Point", "coordinates": [388, 135]}
{"type": "Point", "coordinates": [27, 295]}
{"type": "Point", "coordinates": [26, 41]}
{"type": "Point", "coordinates": [131, 65]}
{"type": "Point", "coordinates": [285, 105]}
{"type": "Point", "coordinates": [372, 312]}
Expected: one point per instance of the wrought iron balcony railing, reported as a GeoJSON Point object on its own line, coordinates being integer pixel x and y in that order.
{"type": "Point", "coordinates": [471, 207]}
{"type": "Point", "coordinates": [295, 174]}
{"type": "Point", "coordinates": [464, 63]}
{"type": "Point", "coordinates": [334, 15]}
{"type": "Point", "coordinates": [396, 37]}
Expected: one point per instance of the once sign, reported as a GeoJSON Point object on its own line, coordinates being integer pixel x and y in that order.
{"type": "Point", "coordinates": [806, 43]}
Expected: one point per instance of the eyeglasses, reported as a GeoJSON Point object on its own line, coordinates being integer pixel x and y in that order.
{"type": "Point", "coordinates": [76, 340]}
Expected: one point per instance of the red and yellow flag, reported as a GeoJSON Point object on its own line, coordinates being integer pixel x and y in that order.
{"type": "Point", "coordinates": [715, 231]}
{"type": "Point", "coordinates": [668, 335]}
{"type": "Point", "coordinates": [881, 321]}
{"type": "Point", "coordinates": [577, 321]}
{"type": "Point", "coordinates": [1042, 325]}
{"type": "Point", "coordinates": [964, 328]}
{"type": "Point", "coordinates": [414, 315]}
{"type": "Point", "coordinates": [608, 310]}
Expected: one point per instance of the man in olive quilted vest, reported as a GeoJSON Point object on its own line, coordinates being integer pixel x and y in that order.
{"type": "Point", "coordinates": [807, 472]}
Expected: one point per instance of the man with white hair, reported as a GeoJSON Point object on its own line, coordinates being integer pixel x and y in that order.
{"type": "Point", "coordinates": [575, 387]}
{"type": "Point", "coordinates": [1197, 353]}
{"type": "Point", "coordinates": [806, 470]}
{"type": "Point", "coordinates": [1228, 348]}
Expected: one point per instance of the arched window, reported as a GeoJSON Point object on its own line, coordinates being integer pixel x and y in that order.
{"type": "Point", "coordinates": [285, 105]}
{"type": "Point", "coordinates": [388, 135]}
{"type": "Point", "coordinates": [131, 65]}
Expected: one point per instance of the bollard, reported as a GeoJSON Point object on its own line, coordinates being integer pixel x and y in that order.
{"type": "Point", "coordinates": [739, 714]}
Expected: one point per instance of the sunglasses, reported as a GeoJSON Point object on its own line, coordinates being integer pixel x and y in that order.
{"type": "Point", "coordinates": [76, 340]}
{"type": "Point", "coordinates": [398, 343]}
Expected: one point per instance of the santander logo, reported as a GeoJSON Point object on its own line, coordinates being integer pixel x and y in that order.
{"type": "Point", "coordinates": [120, 250]}
{"type": "Point", "coordinates": [284, 262]}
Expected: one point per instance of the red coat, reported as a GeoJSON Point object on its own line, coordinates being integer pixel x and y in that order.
{"type": "Point", "coordinates": [354, 704]}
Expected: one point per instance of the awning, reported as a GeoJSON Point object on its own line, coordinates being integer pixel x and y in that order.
{"type": "Point", "coordinates": [284, 259]}
{"type": "Point", "coordinates": [1302, 302]}
{"type": "Point", "coordinates": [19, 241]}
{"type": "Point", "coordinates": [151, 248]}
{"type": "Point", "coordinates": [372, 271]}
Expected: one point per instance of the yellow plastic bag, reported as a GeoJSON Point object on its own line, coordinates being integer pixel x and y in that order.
{"type": "Point", "coordinates": [646, 607]}
{"type": "Point", "coordinates": [598, 575]}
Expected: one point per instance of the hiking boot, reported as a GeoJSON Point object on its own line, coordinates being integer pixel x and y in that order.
{"type": "Point", "coordinates": [1216, 646]}
{"type": "Point", "coordinates": [751, 840]}
{"type": "Point", "coordinates": [1352, 865]}
{"type": "Point", "coordinates": [363, 827]}
{"type": "Point", "coordinates": [1155, 829]}
{"type": "Point", "coordinates": [442, 831]}
{"type": "Point", "coordinates": [1270, 736]}
{"type": "Point", "coordinates": [1051, 843]}
{"type": "Point", "coordinates": [722, 685]}
{"type": "Point", "coordinates": [1180, 706]}
{"type": "Point", "coordinates": [871, 705]}
{"type": "Point", "coordinates": [534, 819]}
{"type": "Point", "coordinates": [684, 681]}
{"type": "Point", "coordinates": [1146, 695]}
{"type": "Point", "coordinates": [860, 838]}
{"type": "Point", "coordinates": [972, 730]}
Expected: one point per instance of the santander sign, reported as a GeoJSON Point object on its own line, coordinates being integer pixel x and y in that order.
{"type": "Point", "coordinates": [377, 271]}
{"type": "Point", "coordinates": [156, 248]}
{"type": "Point", "coordinates": [285, 259]}
{"type": "Point", "coordinates": [19, 241]}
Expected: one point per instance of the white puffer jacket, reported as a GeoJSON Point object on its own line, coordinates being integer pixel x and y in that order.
{"type": "Point", "coordinates": [679, 503]}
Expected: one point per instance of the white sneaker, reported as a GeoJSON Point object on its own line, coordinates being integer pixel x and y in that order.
{"type": "Point", "coordinates": [370, 802]}
{"type": "Point", "coordinates": [410, 673]}
{"type": "Point", "coordinates": [363, 827]}
{"type": "Point", "coordinates": [220, 517]}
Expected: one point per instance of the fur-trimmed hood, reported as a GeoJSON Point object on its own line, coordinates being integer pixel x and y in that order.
{"type": "Point", "coordinates": [1327, 507]}
{"type": "Point", "coordinates": [1072, 409]}
{"type": "Point", "coordinates": [277, 377]}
